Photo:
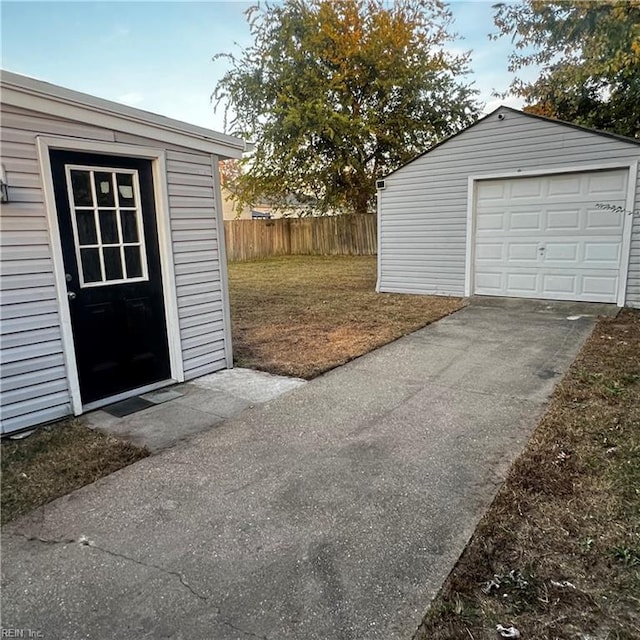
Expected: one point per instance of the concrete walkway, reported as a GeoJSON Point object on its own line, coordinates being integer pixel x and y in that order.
{"type": "Point", "coordinates": [332, 512]}
{"type": "Point", "coordinates": [195, 407]}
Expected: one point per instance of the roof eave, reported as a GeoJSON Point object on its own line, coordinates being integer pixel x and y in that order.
{"type": "Point", "coordinates": [503, 107]}
{"type": "Point", "coordinates": [573, 125]}
{"type": "Point", "coordinates": [29, 93]}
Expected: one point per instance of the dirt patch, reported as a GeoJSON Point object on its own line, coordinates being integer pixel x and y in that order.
{"type": "Point", "coordinates": [303, 315]}
{"type": "Point", "coordinates": [558, 553]}
{"type": "Point", "coordinates": [54, 461]}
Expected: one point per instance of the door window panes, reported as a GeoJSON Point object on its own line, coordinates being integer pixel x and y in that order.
{"type": "Point", "coordinates": [91, 265]}
{"type": "Point", "coordinates": [107, 225]}
{"type": "Point", "coordinates": [132, 260]}
{"type": "Point", "coordinates": [112, 263]}
{"type": "Point", "coordinates": [86, 221]}
{"type": "Point", "coordinates": [104, 189]}
{"type": "Point", "coordinates": [81, 181]}
{"type": "Point", "coordinates": [129, 226]}
{"type": "Point", "coordinates": [125, 190]}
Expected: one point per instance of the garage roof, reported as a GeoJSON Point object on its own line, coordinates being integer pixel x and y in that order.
{"type": "Point", "coordinates": [504, 108]}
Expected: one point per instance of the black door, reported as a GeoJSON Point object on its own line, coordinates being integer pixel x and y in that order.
{"type": "Point", "coordinates": [108, 229]}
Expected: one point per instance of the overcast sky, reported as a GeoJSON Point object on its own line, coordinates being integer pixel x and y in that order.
{"type": "Point", "coordinates": [157, 55]}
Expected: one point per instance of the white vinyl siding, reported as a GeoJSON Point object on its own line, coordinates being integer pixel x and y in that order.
{"type": "Point", "coordinates": [423, 208]}
{"type": "Point", "coordinates": [34, 384]}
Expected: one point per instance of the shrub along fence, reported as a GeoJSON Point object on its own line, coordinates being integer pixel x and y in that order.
{"type": "Point", "coordinates": [352, 235]}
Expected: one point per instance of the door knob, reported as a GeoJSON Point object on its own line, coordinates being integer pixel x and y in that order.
{"type": "Point", "coordinates": [71, 295]}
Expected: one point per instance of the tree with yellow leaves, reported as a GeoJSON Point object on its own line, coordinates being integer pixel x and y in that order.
{"type": "Point", "coordinates": [336, 93]}
{"type": "Point", "coordinates": [589, 58]}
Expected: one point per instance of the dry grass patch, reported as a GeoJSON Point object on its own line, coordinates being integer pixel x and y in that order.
{"type": "Point", "coordinates": [303, 315]}
{"type": "Point", "coordinates": [54, 461]}
{"type": "Point", "coordinates": [562, 538]}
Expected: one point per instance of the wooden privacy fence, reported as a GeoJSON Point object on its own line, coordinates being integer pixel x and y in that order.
{"type": "Point", "coordinates": [352, 235]}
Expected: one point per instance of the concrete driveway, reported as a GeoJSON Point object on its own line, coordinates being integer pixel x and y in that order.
{"type": "Point", "coordinates": [333, 512]}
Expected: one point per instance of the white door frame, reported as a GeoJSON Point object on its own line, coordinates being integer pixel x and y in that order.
{"type": "Point", "coordinates": [632, 178]}
{"type": "Point", "coordinates": [158, 163]}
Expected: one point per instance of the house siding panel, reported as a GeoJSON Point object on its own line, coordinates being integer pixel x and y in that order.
{"type": "Point", "coordinates": [194, 230]}
{"type": "Point", "coordinates": [424, 204]}
{"type": "Point", "coordinates": [34, 381]}
{"type": "Point", "coordinates": [33, 385]}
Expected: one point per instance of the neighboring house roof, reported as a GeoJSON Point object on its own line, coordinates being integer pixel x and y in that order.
{"type": "Point", "coordinates": [572, 125]}
{"type": "Point", "coordinates": [36, 95]}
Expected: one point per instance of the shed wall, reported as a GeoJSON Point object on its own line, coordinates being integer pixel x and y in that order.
{"type": "Point", "coordinates": [33, 378]}
{"type": "Point", "coordinates": [423, 208]}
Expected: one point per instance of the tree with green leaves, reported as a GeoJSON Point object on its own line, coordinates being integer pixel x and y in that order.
{"type": "Point", "coordinates": [336, 93]}
{"type": "Point", "coordinates": [589, 58]}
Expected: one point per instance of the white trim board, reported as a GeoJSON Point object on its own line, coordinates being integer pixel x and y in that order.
{"type": "Point", "coordinates": [632, 177]}
{"type": "Point", "coordinates": [577, 168]}
{"type": "Point", "coordinates": [222, 258]}
{"type": "Point", "coordinates": [45, 144]}
{"type": "Point", "coordinates": [378, 240]}
{"type": "Point", "coordinates": [167, 265]}
{"type": "Point", "coordinates": [471, 234]}
{"type": "Point", "coordinates": [627, 232]}
{"type": "Point", "coordinates": [68, 349]}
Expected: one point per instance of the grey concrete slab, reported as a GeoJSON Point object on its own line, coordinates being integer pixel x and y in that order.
{"type": "Point", "coordinates": [213, 401]}
{"type": "Point", "coordinates": [162, 395]}
{"type": "Point", "coordinates": [334, 511]}
{"type": "Point", "coordinates": [548, 307]}
{"type": "Point", "coordinates": [250, 385]}
{"type": "Point", "coordinates": [157, 427]}
{"type": "Point", "coordinates": [184, 410]}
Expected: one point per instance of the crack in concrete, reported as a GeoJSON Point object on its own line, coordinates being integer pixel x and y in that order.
{"type": "Point", "coordinates": [85, 542]}
{"type": "Point", "coordinates": [150, 565]}
{"type": "Point", "coordinates": [19, 534]}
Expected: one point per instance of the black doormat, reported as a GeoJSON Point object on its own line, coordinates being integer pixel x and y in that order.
{"type": "Point", "coordinates": [128, 406]}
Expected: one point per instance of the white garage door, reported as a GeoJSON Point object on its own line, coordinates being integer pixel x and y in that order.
{"type": "Point", "coordinates": [545, 236]}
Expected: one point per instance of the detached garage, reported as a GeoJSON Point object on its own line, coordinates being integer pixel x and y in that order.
{"type": "Point", "coordinates": [113, 267]}
{"type": "Point", "coordinates": [516, 205]}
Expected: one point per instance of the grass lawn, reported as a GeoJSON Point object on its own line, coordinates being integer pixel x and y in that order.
{"type": "Point", "coordinates": [303, 315]}
{"type": "Point", "coordinates": [561, 541]}
{"type": "Point", "coordinates": [56, 460]}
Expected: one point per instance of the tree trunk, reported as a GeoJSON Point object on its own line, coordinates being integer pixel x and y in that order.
{"type": "Point", "coordinates": [360, 203]}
